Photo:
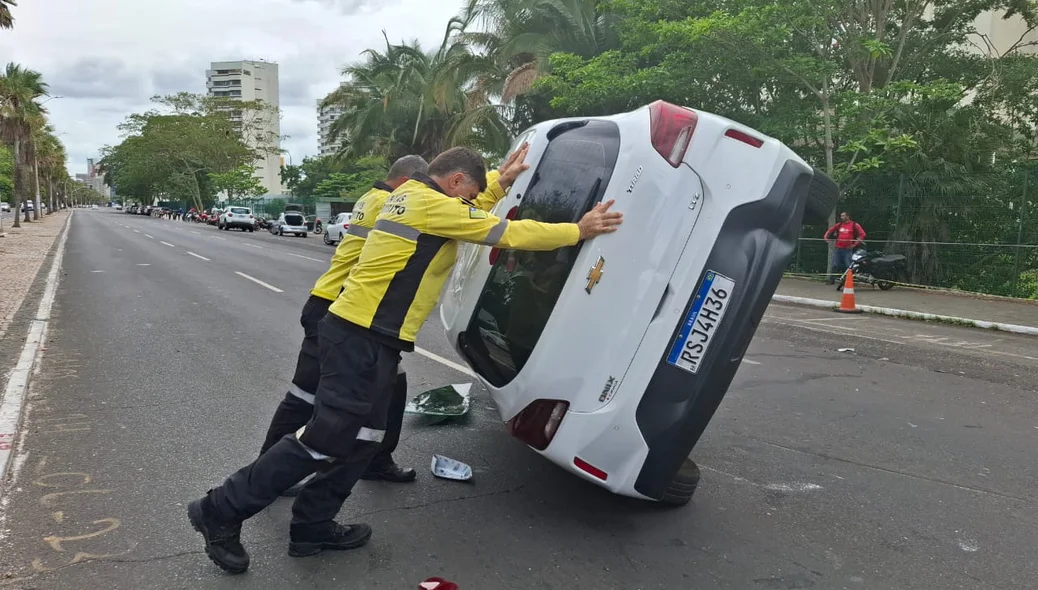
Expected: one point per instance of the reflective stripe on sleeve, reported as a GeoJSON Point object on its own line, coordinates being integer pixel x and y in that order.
{"type": "Point", "coordinates": [356, 230]}
{"type": "Point", "coordinates": [397, 229]}
{"type": "Point", "coordinates": [496, 233]}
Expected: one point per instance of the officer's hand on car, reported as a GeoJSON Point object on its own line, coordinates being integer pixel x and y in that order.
{"type": "Point", "coordinates": [513, 166]}
{"type": "Point", "coordinates": [599, 220]}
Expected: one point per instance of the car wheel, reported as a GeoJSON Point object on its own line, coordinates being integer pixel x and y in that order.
{"type": "Point", "coordinates": [327, 239]}
{"type": "Point", "coordinates": [303, 235]}
{"type": "Point", "coordinates": [822, 196]}
{"type": "Point", "coordinates": [281, 233]}
{"type": "Point", "coordinates": [680, 490]}
{"type": "Point", "coordinates": [252, 229]}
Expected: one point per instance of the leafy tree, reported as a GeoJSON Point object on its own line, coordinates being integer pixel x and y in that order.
{"type": "Point", "coordinates": [6, 173]}
{"type": "Point", "coordinates": [20, 116]}
{"type": "Point", "coordinates": [6, 20]}
{"type": "Point", "coordinates": [274, 207]}
{"type": "Point", "coordinates": [239, 184]}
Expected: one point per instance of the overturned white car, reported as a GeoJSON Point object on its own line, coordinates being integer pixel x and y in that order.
{"type": "Point", "coordinates": [610, 357]}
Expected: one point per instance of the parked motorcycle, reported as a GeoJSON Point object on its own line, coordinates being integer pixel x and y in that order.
{"type": "Point", "coordinates": [876, 268]}
{"type": "Point", "coordinates": [318, 228]}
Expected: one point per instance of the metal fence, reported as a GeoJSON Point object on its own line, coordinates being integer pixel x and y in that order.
{"type": "Point", "coordinates": [974, 233]}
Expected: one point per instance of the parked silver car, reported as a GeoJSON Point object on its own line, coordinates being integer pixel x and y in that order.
{"type": "Point", "coordinates": [289, 223]}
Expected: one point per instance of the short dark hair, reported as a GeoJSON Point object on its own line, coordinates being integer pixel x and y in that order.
{"type": "Point", "coordinates": [407, 167]}
{"type": "Point", "coordinates": [461, 159]}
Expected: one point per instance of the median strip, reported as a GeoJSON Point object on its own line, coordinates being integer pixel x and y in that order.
{"type": "Point", "coordinates": [198, 256]}
{"type": "Point", "coordinates": [259, 282]}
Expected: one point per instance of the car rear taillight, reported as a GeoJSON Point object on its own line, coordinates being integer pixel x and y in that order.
{"type": "Point", "coordinates": [495, 252]}
{"type": "Point", "coordinates": [590, 469]}
{"type": "Point", "coordinates": [743, 137]}
{"type": "Point", "coordinates": [230, 215]}
{"type": "Point", "coordinates": [537, 424]}
{"type": "Point", "coordinates": [671, 129]}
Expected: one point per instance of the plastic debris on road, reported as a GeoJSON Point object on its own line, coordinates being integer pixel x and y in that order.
{"type": "Point", "coordinates": [446, 401]}
{"type": "Point", "coordinates": [447, 468]}
{"type": "Point", "coordinates": [437, 583]}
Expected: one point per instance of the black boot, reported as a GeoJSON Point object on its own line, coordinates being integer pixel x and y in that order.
{"type": "Point", "coordinates": [390, 472]}
{"type": "Point", "coordinates": [337, 537]}
{"type": "Point", "coordinates": [222, 541]}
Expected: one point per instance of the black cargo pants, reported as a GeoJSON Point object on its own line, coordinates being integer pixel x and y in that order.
{"type": "Point", "coordinates": [295, 409]}
{"type": "Point", "coordinates": [347, 427]}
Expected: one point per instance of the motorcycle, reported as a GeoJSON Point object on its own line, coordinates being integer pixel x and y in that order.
{"type": "Point", "coordinates": [875, 268]}
{"type": "Point", "coordinates": [318, 228]}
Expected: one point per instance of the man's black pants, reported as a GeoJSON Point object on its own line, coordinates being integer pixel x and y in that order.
{"type": "Point", "coordinates": [295, 409]}
{"type": "Point", "coordinates": [347, 428]}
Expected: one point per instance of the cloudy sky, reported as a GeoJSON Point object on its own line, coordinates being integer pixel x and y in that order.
{"type": "Point", "coordinates": [106, 58]}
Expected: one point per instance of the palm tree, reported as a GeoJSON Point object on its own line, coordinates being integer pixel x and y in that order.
{"type": "Point", "coordinates": [51, 158]}
{"type": "Point", "coordinates": [6, 20]}
{"type": "Point", "coordinates": [521, 35]}
{"type": "Point", "coordinates": [19, 114]}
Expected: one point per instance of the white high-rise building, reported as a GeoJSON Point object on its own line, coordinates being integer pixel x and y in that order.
{"type": "Point", "coordinates": [249, 81]}
{"type": "Point", "coordinates": [326, 117]}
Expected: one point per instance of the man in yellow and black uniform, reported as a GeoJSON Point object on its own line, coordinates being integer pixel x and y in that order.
{"type": "Point", "coordinates": [388, 295]}
{"type": "Point", "coordinates": [295, 409]}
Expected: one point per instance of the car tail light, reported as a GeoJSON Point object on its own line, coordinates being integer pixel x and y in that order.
{"type": "Point", "coordinates": [495, 252]}
{"type": "Point", "coordinates": [744, 137]}
{"type": "Point", "coordinates": [590, 469]}
{"type": "Point", "coordinates": [671, 130]}
{"type": "Point", "coordinates": [537, 424]}
{"type": "Point", "coordinates": [230, 215]}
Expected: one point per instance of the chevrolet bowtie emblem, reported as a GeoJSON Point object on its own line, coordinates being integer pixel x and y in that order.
{"type": "Point", "coordinates": [594, 275]}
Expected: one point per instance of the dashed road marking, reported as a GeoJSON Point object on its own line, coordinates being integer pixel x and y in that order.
{"type": "Point", "coordinates": [136, 231]}
{"type": "Point", "coordinates": [168, 244]}
{"type": "Point", "coordinates": [144, 264]}
{"type": "Point", "coordinates": [195, 232]}
{"type": "Point", "coordinates": [198, 256]}
{"type": "Point", "coordinates": [748, 361]}
{"type": "Point", "coordinates": [259, 282]}
{"type": "Point", "coordinates": [304, 257]}
{"type": "Point", "coordinates": [149, 237]}
{"type": "Point", "coordinates": [445, 362]}
{"type": "Point", "coordinates": [254, 246]}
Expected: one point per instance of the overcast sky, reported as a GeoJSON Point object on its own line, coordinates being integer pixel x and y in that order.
{"type": "Point", "coordinates": [106, 58]}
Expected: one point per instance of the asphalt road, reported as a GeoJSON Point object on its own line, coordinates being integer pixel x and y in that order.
{"type": "Point", "coordinates": [906, 463]}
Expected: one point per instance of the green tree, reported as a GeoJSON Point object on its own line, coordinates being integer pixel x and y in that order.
{"type": "Point", "coordinates": [6, 20]}
{"type": "Point", "coordinates": [239, 184]}
{"type": "Point", "coordinates": [6, 174]}
{"type": "Point", "coordinates": [20, 116]}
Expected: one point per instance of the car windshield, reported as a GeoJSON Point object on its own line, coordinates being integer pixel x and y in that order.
{"type": "Point", "coordinates": [294, 219]}
{"type": "Point", "coordinates": [239, 210]}
{"type": "Point", "coordinates": [523, 287]}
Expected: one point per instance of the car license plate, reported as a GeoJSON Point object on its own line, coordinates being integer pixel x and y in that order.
{"type": "Point", "coordinates": [701, 324]}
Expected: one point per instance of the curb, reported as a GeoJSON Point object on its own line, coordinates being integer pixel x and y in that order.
{"type": "Point", "coordinates": [912, 315]}
{"type": "Point", "coordinates": [12, 400]}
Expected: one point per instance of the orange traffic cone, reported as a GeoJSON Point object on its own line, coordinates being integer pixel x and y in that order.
{"type": "Point", "coordinates": [847, 301]}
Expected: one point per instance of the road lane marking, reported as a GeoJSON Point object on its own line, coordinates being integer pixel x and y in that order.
{"type": "Point", "coordinates": [750, 362]}
{"type": "Point", "coordinates": [149, 237]}
{"type": "Point", "coordinates": [168, 244]}
{"type": "Point", "coordinates": [259, 282]}
{"type": "Point", "coordinates": [199, 256]}
{"type": "Point", "coordinates": [217, 238]}
{"type": "Point", "coordinates": [143, 265]}
{"type": "Point", "coordinates": [136, 231]}
{"type": "Point", "coordinates": [194, 232]}
{"type": "Point", "coordinates": [97, 271]}
{"type": "Point", "coordinates": [254, 246]}
{"type": "Point", "coordinates": [304, 257]}
{"type": "Point", "coordinates": [445, 362]}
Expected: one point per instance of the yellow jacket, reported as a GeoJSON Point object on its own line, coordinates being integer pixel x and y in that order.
{"type": "Point", "coordinates": [363, 219]}
{"type": "Point", "coordinates": [412, 248]}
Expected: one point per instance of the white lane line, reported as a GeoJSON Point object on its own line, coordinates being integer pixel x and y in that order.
{"type": "Point", "coordinates": [748, 361]}
{"type": "Point", "coordinates": [445, 362]}
{"type": "Point", "coordinates": [136, 231]}
{"type": "Point", "coordinates": [168, 244]}
{"type": "Point", "coordinates": [97, 271]}
{"type": "Point", "coordinates": [18, 381]}
{"type": "Point", "coordinates": [199, 256]}
{"type": "Point", "coordinates": [259, 282]}
{"type": "Point", "coordinates": [194, 232]}
{"type": "Point", "coordinates": [149, 237]}
{"type": "Point", "coordinates": [254, 246]}
{"type": "Point", "coordinates": [217, 238]}
{"type": "Point", "coordinates": [144, 264]}
{"type": "Point", "coordinates": [304, 257]}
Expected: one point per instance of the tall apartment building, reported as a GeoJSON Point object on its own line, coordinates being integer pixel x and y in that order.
{"type": "Point", "coordinates": [326, 117]}
{"type": "Point", "coordinates": [249, 81]}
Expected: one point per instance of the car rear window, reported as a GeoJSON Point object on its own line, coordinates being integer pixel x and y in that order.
{"type": "Point", "coordinates": [523, 287]}
{"type": "Point", "coordinates": [294, 219]}
{"type": "Point", "coordinates": [240, 210]}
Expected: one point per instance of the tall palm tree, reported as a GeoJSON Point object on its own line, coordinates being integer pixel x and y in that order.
{"type": "Point", "coordinates": [51, 159]}
{"type": "Point", "coordinates": [19, 114]}
{"type": "Point", "coordinates": [6, 20]}
{"type": "Point", "coordinates": [522, 34]}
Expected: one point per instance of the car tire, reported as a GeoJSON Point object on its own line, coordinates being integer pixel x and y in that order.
{"type": "Point", "coordinates": [822, 196]}
{"type": "Point", "coordinates": [281, 233]}
{"type": "Point", "coordinates": [327, 239]}
{"type": "Point", "coordinates": [252, 229]}
{"type": "Point", "coordinates": [684, 484]}
{"type": "Point", "coordinates": [303, 235]}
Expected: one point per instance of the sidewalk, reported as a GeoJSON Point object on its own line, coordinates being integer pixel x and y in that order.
{"type": "Point", "coordinates": [980, 308]}
{"type": "Point", "coordinates": [22, 252]}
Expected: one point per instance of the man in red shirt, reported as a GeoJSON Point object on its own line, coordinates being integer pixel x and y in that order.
{"type": "Point", "coordinates": [848, 235]}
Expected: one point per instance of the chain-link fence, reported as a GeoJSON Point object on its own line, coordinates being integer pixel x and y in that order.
{"type": "Point", "coordinates": [970, 232]}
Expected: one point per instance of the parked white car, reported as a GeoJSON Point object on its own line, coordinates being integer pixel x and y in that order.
{"type": "Point", "coordinates": [237, 218]}
{"type": "Point", "coordinates": [334, 231]}
{"type": "Point", "coordinates": [610, 357]}
{"type": "Point", "coordinates": [5, 206]}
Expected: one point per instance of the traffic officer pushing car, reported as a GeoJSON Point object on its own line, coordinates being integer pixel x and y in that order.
{"type": "Point", "coordinates": [295, 409]}
{"type": "Point", "coordinates": [387, 296]}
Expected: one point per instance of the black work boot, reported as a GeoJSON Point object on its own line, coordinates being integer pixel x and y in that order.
{"type": "Point", "coordinates": [390, 472]}
{"type": "Point", "coordinates": [337, 537]}
{"type": "Point", "coordinates": [222, 541]}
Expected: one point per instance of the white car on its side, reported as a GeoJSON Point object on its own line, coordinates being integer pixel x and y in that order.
{"type": "Point", "coordinates": [334, 231]}
{"type": "Point", "coordinates": [610, 357]}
